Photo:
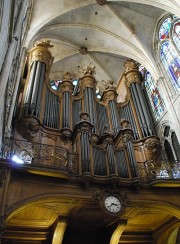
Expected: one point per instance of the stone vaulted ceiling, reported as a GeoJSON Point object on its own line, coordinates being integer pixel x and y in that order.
{"type": "Point", "coordinates": [106, 34]}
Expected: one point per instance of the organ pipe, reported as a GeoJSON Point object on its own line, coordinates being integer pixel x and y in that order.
{"type": "Point", "coordinates": [109, 138]}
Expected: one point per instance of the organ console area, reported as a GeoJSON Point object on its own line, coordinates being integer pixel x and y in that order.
{"type": "Point", "coordinates": [86, 138]}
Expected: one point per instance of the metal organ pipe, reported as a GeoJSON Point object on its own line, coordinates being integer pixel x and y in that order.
{"type": "Point", "coordinates": [133, 123]}
{"type": "Point", "coordinates": [39, 96]}
{"type": "Point", "coordinates": [35, 87]}
{"type": "Point", "coordinates": [85, 149]}
{"type": "Point", "coordinates": [29, 88]}
{"type": "Point", "coordinates": [139, 107]}
{"type": "Point", "coordinates": [90, 106]}
{"type": "Point", "coordinates": [110, 155]}
{"type": "Point", "coordinates": [121, 164]}
{"type": "Point", "coordinates": [114, 118]}
{"type": "Point", "coordinates": [137, 110]}
{"type": "Point", "coordinates": [66, 109]}
{"type": "Point", "coordinates": [145, 109]}
{"type": "Point", "coordinates": [132, 159]}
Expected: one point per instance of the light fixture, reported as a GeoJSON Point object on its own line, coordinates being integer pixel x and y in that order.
{"type": "Point", "coordinates": [17, 160]}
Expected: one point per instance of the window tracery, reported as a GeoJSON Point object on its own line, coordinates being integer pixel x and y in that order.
{"type": "Point", "coordinates": [171, 144]}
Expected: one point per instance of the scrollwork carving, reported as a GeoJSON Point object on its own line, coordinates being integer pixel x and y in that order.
{"type": "Point", "coordinates": [29, 128]}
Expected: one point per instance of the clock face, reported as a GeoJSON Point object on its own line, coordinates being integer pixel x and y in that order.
{"type": "Point", "coordinates": [112, 204]}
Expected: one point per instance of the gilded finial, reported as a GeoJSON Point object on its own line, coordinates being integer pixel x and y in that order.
{"type": "Point", "coordinates": [89, 70]}
{"type": "Point", "coordinates": [109, 85]}
{"type": "Point", "coordinates": [45, 44]}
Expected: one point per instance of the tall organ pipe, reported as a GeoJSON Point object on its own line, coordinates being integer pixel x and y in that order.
{"type": "Point", "coordinates": [137, 111]}
{"type": "Point", "coordinates": [140, 109]}
{"type": "Point", "coordinates": [35, 87]}
{"type": "Point", "coordinates": [85, 156]}
{"type": "Point", "coordinates": [30, 83]}
{"type": "Point", "coordinates": [133, 123]}
{"type": "Point", "coordinates": [39, 95]}
{"type": "Point", "coordinates": [132, 159]}
{"type": "Point", "coordinates": [114, 118]}
{"type": "Point", "coordinates": [110, 155]}
{"type": "Point", "coordinates": [145, 109]}
{"type": "Point", "coordinates": [89, 105]}
{"type": "Point", "coordinates": [29, 88]}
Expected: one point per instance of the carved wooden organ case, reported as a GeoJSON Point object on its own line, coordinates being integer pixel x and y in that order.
{"type": "Point", "coordinates": [73, 131]}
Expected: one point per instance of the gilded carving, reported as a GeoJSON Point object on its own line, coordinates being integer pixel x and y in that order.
{"type": "Point", "coordinates": [109, 85]}
{"type": "Point", "coordinates": [152, 147]}
{"type": "Point", "coordinates": [29, 128]}
{"type": "Point", "coordinates": [41, 53]}
{"type": "Point", "coordinates": [110, 93]}
{"type": "Point", "coordinates": [69, 76]}
{"type": "Point", "coordinates": [45, 44]}
{"type": "Point", "coordinates": [87, 81]}
{"type": "Point", "coordinates": [89, 70]}
{"type": "Point", "coordinates": [67, 86]}
{"type": "Point", "coordinates": [130, 65]}
{"type": "Point", "coordinates": [133, 76]}
{"type": "Point", "coordinates": [131, 72]}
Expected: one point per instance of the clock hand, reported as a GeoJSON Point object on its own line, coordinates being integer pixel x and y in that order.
{"type": "Point", "coordinates": [112, 204]}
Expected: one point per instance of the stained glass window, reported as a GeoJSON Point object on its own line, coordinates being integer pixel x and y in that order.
{"type": "Point", "coordinates": [55, 84]}
{"type": "Point", "coordinates": [165, 29]}
{"type": "Point", "coordinates": [156, 101]}
{"type": "Point", "coordinates": [98, 94]}
{"type": "Point", "coordinates": [169, 37]}
{"type": "Point", "coordinates": [171, 61]}
{"type": "Point", "coordinates": [176, 33]}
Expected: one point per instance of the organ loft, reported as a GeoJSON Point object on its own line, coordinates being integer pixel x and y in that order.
{"type": "Point", "coordinates": [90, 169]}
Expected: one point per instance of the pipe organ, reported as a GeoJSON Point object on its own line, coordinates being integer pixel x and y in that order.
{"type": "Point", "coordinates": [109, 139]}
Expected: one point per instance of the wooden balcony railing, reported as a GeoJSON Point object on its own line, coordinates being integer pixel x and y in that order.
{"type": "Point", "coordinates": [46, 156]}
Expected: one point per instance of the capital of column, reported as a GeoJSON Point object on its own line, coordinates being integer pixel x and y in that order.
{"type": "Point", "coordinates": [131, 72]}
{"type": "Point", "coordinates": [110, 93]}
{"type": "Point", "coordinates": [41, 53]}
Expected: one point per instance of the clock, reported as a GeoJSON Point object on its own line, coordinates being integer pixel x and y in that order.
{"type": "Point", "coordinates": [112, 204]}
